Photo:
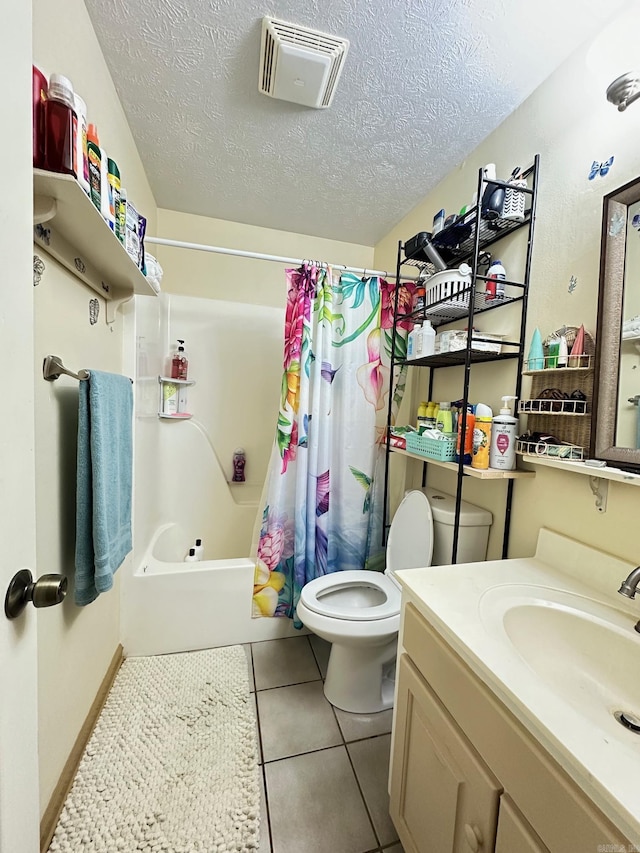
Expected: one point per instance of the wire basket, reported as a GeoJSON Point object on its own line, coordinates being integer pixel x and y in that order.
{"type": "Point", "coordinates": [442, 449]}
{"type": "Point", "coordinates": [555, 451]}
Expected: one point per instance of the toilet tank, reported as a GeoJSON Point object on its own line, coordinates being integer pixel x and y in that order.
{"type": "Point", "coordinates": [473, 535]}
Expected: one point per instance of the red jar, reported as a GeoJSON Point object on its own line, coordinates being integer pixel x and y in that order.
{"type": "Point", "coordinates": [38, 99]}
{"type": "Point", "coordinates": [60, 125]}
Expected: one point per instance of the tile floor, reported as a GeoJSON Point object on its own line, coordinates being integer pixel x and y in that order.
{"type": "Point", "coordinates": [324, 771]}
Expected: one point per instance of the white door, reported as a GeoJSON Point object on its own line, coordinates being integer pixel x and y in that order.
{"type": "Point", "coordinates": [19, 816]}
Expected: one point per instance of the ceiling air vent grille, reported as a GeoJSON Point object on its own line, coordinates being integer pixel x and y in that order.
{"type": "Point", "coordinates": [300, 65]}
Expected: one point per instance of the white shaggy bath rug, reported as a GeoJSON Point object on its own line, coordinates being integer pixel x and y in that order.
{"type": "Point", "coordinates": [172, 764]}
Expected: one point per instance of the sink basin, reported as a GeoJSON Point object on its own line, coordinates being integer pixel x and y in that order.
{"type": "Point", "coordinates": [585, 651]}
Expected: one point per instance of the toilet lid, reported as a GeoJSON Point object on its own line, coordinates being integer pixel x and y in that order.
{"type": "Point", "coordinates": [410, 543]}
{"type": "Point", "coordinates": [329, 595]}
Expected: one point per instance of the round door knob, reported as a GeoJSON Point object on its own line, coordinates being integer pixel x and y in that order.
{"type": "Point", "coordinates": [45, 592]}
{"type": "Point", "coordinates": [473, 836]}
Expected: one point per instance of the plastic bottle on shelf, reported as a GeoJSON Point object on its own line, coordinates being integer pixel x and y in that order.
{"type": "Point", "coordinates": [39, 97]}
{"type": "Point", "coordinates": [495, 285]}
{"type": "Point", "coordinates": [94, 155]}
{"type": "Point", "coordinates": [563, 352]}
{"type": "Point", "coordinates": [444, 421]}
{"type": "Point", "coordinates": [428, 336]}
{"type": "Point", "coordinates": [535, 359]}
{"type": "Point", "coordinates": [191, 556]}
{"type": "Point", "coordinates": [422, 419]}
{"type": "Point", "coordinates": [199, 549]}
{"type": "Point", "coordinates": [169, 398]}
{"type": "Point", "coordinates": [412, 341]}
{"type": "Point", "coordinates": [464, 442]}
{"type": "Point", "coordinates": [105, 191]}
{"type": "Point", "coordinates": [554, 351]}
{"type": "Point", "coordinates": [481, 437]}
{"type": "Point", "coordinates": [113, 178]}
{"type": "Point", "coordinates": [502, 453]}
{"type": "Point", "coordinates": [60, 126]}
{"type": "Point", "coordinates": [179, 363]}
{"type": "Point", "coordinates": [81, 159]}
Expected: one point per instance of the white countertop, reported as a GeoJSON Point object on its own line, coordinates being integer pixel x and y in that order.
{"type": "Point", "coordinates": [596, 751]}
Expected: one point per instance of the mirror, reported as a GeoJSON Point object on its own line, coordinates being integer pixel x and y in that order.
{"type": "Point", "coordinates": [617, 410]}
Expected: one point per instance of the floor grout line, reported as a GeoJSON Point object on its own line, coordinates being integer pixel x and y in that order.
{"type": "Point", "coordinates": [261, 749]}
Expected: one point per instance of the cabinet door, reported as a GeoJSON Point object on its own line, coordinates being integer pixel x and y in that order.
{"type": "Point", "coordinates": [443, 798]}
{"type": "Point", "coordinates": [514, 832]}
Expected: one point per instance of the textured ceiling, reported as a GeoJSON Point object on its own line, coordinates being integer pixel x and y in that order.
{"type": "Point", "coordinates": [425, 81]}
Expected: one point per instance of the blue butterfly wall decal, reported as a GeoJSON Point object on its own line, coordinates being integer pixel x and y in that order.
{"type": "Point", "coordinates": [600, 168]}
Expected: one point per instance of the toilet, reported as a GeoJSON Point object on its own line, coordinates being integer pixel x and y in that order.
{"type": "Point", "coordinates": [358, 612]}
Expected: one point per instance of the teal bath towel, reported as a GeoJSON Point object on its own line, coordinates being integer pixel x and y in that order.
{"type": "Point", "coordinates": [104, 481]}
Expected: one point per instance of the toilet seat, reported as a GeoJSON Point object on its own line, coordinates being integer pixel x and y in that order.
{"type": "Point", "coordinates": [410, 545]}
{"type": "Point", "coordinates": [317, 595]}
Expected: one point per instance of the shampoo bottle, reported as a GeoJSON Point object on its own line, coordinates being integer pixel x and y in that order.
{"type": "Point", "coordinates": [502, 454]}
{"type": "Point", "coordinates": [422, 420]}
{"type": "Point", "coordinates": [191, 556]}
{"type": "Point", "coordinates": [481, 437]}
{"type": "Point", "coordinates": [199, 549]}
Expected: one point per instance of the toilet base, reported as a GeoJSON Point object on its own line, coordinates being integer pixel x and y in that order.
{"type": "Point", "coordinates": [361, 680]}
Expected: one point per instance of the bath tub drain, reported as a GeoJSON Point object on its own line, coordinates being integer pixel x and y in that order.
{"type": "Point", "coordinates": [628, 720]}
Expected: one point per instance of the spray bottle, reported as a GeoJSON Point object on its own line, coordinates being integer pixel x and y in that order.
{"type": "Point", "coordinates": [502, 454]}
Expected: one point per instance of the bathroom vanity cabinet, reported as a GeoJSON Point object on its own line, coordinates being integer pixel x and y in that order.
{"type": "Point", "coordinates": [466, 775]}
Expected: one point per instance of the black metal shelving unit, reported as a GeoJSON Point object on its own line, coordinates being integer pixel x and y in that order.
{"type": "Point", "coordinates": [464, 241]}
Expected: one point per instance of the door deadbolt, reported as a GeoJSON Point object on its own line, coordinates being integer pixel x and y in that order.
{"type": "Point", "coordinates": [46, 591]}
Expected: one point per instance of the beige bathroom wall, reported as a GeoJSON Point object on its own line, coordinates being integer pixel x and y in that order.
{"type": "Point", "coordinates": [75, 645]}
{"type": "Point", "coordinates": [196, 273]}
{"type": "Point", "coordinates": [570, 124]}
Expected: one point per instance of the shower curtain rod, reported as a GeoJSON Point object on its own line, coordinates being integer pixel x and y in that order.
{"type": "Point", "coordinates": [297, 262]}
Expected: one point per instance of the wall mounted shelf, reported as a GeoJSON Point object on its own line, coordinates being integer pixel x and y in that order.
{"type": "Point", "coordinates": [179, 416]}
{"type": "Point", "coordinates": [576, 467]}
{"type": "Point", "coordinates": [69, 228]}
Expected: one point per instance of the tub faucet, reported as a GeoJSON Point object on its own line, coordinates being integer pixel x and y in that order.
{"type": "Point", "coordinates": [628, 586]}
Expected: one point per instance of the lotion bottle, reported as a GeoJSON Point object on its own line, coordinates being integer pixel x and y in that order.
{"type": "Point", "coordinates": [179, 363]}
{"type": "Point", "coordinates": [199, 549]}
{"type": "Point", "coordinates": [191, 556]}
{"type": "Point", "coordinates": [502, 454]}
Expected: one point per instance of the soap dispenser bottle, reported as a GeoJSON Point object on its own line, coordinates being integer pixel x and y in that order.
{"type": "Point", "coordinates": [502, 454]}
{"type": "Point", "coordinates": [179, 363]}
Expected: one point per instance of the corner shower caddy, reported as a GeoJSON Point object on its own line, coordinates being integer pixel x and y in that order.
{"type": "Point", "coordinates": [178, 416]}
{"type": "Point", "coordinates": [462, 242]}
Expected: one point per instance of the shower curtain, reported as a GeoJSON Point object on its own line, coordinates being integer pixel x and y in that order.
{"type": "Point", "coordinates": [323, 510]}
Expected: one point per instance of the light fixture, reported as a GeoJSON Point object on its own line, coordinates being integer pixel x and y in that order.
{"type": "Point", "coordinates": [624, 90]}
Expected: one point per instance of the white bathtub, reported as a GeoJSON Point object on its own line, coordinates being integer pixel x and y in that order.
{"type": "Point", "coordinates": [172, 606]}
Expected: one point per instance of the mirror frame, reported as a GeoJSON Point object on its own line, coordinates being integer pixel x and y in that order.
{"type": "Point", "coordinates": [609, 332]}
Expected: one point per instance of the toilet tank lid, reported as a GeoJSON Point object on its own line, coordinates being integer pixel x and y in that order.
{"type": "Point", "coordinates": [443, 508]}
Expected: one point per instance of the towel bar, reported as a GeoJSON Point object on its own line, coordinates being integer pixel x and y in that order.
{"type": "Point", "coordinates": [52, 368]}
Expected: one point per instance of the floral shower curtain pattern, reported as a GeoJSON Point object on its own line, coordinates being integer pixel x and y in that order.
{"type": "Point", "coordinates": [323, 496]}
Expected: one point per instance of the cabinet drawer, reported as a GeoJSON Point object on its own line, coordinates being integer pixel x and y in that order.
{"type": "Point", "coordinates": [563, 816]}
{"type": "Point", "coordinates": [443, 798]}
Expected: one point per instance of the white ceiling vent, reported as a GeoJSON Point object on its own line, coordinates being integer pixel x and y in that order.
{"type": "Point", "coordinates": [300, 65]}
